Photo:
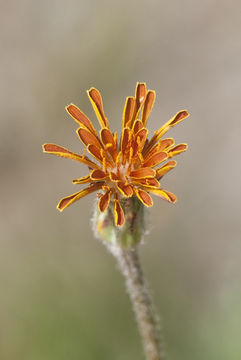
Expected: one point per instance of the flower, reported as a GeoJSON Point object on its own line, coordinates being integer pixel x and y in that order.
{"type": "Point", "coordinates": [130, 167]}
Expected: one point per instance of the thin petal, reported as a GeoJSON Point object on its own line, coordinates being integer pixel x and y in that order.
{"type": "Point", "coordinates": [181, 115]}
{"type": "Point", "coordinates": [65, 202]}
{"type": "Point", "coordinates": [114, 177]}
{"type": "Point", "coordinates": [80, 117]}
{"type": "Point", "coordinates": [126, 139]}
{"type": "Point", "coordinates": [138, 125]}
{"type": "Point", "coordinates": [160, 146]}
{"type": "Point", "coordinates": [63, 152]}
{"type": "Point", "coordinates": [125, 190]}
{"type": "Point", "coordinates": [165, 169]}
{"type": "Point", "coordinates": [104, 201]}
{"type": "Point", "coordinates": [153, 182]}
{"type": "Point", "coordinates": [98, 175]}
{"type": "Point", "coordinates": [119, 213]}
{"type": "Point", "coordinates": [140, 95]}
{"type": "Point", "coordinates": [108, 141]}
{"type": "Point", "coordinates": [96, 101]}
{"type": "Point", "coordinates": [88, 138]}
{"type": "Point", "coordinates": [143, 173]}
{"type": "Point", "coordinates": [82, 180]}
{"type": "Point", "coordinates": [95, 152]}
{"type": "Point", "coordinates": [140, 138]}
{"type": "Point", "coordinates": [148, 105]}
{"type": "Point", "coordinates": [164, 194]}
{"type": "Point", "coordinates": [178, 149]}
{"type": "Point", "coordinates": [155, 159]}
{"type": "Point", "coordinates": [129, 111]}
{"type": "Point", "coordinates": [144, 197]}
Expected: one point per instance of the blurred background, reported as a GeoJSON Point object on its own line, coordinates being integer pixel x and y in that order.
{"type": "Point", "coordinates": [61, 295]}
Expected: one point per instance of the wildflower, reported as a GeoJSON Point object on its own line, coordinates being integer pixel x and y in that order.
{"type": "Point", "coordinates": [132, 166]}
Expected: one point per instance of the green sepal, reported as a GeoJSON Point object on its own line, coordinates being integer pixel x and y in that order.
{"type": "Point", "coordinates": [126, 236]}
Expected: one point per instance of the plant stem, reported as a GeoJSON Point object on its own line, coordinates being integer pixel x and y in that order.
{"type": "Point", "coordinates": [137, 288]}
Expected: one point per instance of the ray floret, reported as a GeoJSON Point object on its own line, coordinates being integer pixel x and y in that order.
{"type": "Point", "coordinates": [132, 166]}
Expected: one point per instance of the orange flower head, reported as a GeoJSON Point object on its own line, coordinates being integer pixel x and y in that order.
{"type": "Point", "coordinates": [132, 166]}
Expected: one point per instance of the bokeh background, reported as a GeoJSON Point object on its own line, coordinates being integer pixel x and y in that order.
{"type": "Point", "coordinates": [61, 295]}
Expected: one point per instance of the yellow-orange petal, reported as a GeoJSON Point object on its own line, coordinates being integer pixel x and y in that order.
{"type": "Point", "coordinates": [98, 175]}
{"type": "Point", "coordinates": [162, 145]}
{"type": "Point", "coordinates": [88, 138]}
{"type": "Point", "coordinates": [144, 172]}
{"type": "Point", "coordinates": [140, 95]}
{"type": "Point", "coordinates": [80, 117]}
{"type": "Point", "coordinates": [129, 111]}
{"type": "Point", "coordinates": [65, 202]}
{"type": "Point", "coordinates": [181, 115]}
{"type": "Point", "coordinates": [63, 152]}
{"type": "Point", "coordinates": [104, 201]}
{"type": "Point", "coordinates": [108, 141]}
{"type": "Point", "coordinates": [126, 139]}
{"type": "Point", "coordinates": [148, 105]}
{"type": "Point", "coordinates": [144, 197]}
{"type": "Point", "coordinates": [83, 180]}
{"type": "Point", "coordinates": [164, 194]}
{"type": "Point", "coordinates": [141, 137]}
{"type": "Point", "coordinates": [95, 152]}
{"type": "Point", "coordinates": [125, 190]}
{"type": "Point", "coordinates": [155, 159]}
{"type": "Point", "coordinates": [138, 125]}
{"type": "Point", "coordinates": [152, 182]}
{"type": "Point", "coordinates": [114, 177]}
{"type": "Point", "coordinates": [165, 169]}
{"type": "Point", "coordinates": [176, 150]}
{"type": "Point", "coordinates": [96, 101]}
{"type": "Point", "coordinates": [119, 213]}
{"type": "Point", "coordinates": [166, 143]}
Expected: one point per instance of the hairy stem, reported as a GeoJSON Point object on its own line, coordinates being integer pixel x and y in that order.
{"type": "Point", "coordinates": [137, 288]}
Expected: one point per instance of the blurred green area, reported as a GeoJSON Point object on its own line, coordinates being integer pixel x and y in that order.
{"type": "Point", "coordinates": [61, 296]}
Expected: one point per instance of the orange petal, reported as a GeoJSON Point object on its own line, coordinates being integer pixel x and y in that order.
{"type": "Point", "coordinates": [144, 197]}
{"type": "Point", "coordinates": [165, 169]}
{"type": "Point", "coordinates": [153, 182]}
{"type": "Point", "coordinates": [114, 177]}
{"type": "Point", "coordinates": [155, 159]}
{"type": "Point", "coordinates": [140, 95]}
{"type": "Point", "coordinates": [104, 201]}
{"type": "Point", "coordinates": [178, 149]}
{"type": "Point", "coordinates": [143, 173]}
{"type": "Point", "coordinates": [126, 139]}
{"type": "Point", "coordinates": [125, 190]}
{"type": "Point", "coordinates": [108, 141]}
{"type": "Point", "coordinates": [119, 213]}
{"type": "Point", "coordinates": [140, 138]}
{"type": "Point", "coordinates": [166, 143]}
{"type": "Point", "coordinates": [80, 117]}
{"type": "Point", "coordinates": [82, 180]}
{"type": "Point", "coordinates": [129, 111]}
{"type": "Point", "coordinates": [161, 146]}
{"type": "Point", "coordinates": [164, 194]}
{"type": "Point", "coordinates": [98, 175]}
{"type": "Point", "coordinates": [88, 138]}
{"type": "Point", "coordinates": [63, 152]}
{"type": "Point", "coordinates": [65, 202]}
{"type": "Point", "coordinates": [97, 104]}
{"type": "Point", "coordinates": [148, 105]}
{"type": "Point", "coordinates": [138, 125]}
{"type": "Point", "coordinates": [181, 115]}
{"type": "Point", "coordinates": [95, 152]}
